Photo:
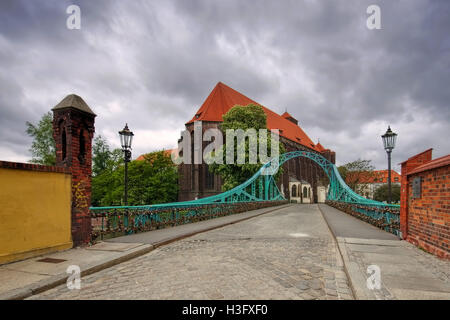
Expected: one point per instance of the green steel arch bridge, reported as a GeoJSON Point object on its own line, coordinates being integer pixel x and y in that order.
{"type": "Point", "coordinates": [259, 191]}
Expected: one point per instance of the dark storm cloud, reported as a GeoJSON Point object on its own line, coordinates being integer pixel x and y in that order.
{"type": "Point", "coordinates": [11, 112]}
{"type": "Point", "coordinates": [152, 63]}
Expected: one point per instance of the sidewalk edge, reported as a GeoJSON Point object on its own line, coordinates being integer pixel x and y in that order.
{"type": "Point", "coordinates": [345, 260]}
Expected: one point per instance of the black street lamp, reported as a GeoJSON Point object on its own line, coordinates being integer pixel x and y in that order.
{"type": "Point", "coordinates": [126, 137]}
{"type": "Point", "coordinates": [389, 143]}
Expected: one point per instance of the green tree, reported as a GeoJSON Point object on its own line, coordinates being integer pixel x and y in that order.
{"type": "Point", "coordinates": [357, 174]}
{"type": "Point", "coordinates": [150, 181]}
{"type": "Point", "coordinates": [381, 193]}
{"type": "Point", "coordinates": [43, 145]}
{"type": "Point", "coordinates": [105, 163]}
{"type": "Point", "coordinates": [100, 155]}
{"type": "Point", "coordinates": [103, 189]}
{"type": "Point", "coordinates": [115, 159]}
{"type": "Point", "coordinates": [242, 117]}
{"type": "Point", "coordinates": [103, 158]}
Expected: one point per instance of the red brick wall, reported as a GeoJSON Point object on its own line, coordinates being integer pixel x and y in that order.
{"type": "Point", "coordinates": [408, 166]}
{"type": "Point", "coordinates": [429, 215]}
{"type": "Point", "coordinates": [425, 221]}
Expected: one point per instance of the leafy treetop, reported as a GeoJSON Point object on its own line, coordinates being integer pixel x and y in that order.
{"type": "Point", "coordinates": [357, 174]}
{"type": "Point", "coordinates": [381, 194]}
{"type": "Point", "coordinates": [43, 145]}
{"type": "Point", "coordinates": [242, 117]}
{"type": "Point", "coordinates": [150, 181]}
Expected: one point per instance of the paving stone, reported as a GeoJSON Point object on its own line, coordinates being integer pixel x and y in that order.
{"type": "Point", "coordinates": [343, 291]}
{"type": "Point", "coordinates": [302, 285]}
{"type": "Point", "coordinates": [331, 292]}
{"type": "Point", "coordinates": [307, 296]}
{"type": "Point", "coordinates": [347, 296]}
{"type": "Point", "coordinates": [314, 284]}
{"type": "Point", "coordinates": [316, 270]}
{"type": "Point", "coordinates": [330, 285]}
{"type": "Point", "coordinates": [317, 293]}
{"type": "Point", "coordinates": [329, 276]}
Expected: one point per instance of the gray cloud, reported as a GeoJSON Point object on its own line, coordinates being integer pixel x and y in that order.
{"type": "Point", "coordinates": [152, 63]}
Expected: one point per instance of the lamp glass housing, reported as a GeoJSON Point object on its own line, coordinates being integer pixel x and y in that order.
{"type": "Point", "coordinates": [126, 138]}
{"type": "Point", "coordinates": [389, 139]}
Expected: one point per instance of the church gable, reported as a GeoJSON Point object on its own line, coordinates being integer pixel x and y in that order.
{"type": "Point", "coordinates": [222, 98]}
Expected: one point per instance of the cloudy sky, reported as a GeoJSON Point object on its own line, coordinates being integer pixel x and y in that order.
{"type": "Point", "coordinates": [153, 63]}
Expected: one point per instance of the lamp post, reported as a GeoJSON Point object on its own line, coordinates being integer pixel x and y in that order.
{"type": "Point", "coordinates": [389, 143]}
{"type": "Point", "coordinates": [126, 137]}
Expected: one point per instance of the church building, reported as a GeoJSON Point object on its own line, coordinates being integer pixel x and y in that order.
{"type": "Point", "coordinates": [302, 181]}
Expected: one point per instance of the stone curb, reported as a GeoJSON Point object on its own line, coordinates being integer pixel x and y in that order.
{"type": "Point", "coordinates": [344, 257]}
{"type": "Point", "coordinates": [54, 281]}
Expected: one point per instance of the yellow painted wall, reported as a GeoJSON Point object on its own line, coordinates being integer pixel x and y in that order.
{"type": "Point", "coordinates": [35, 213]}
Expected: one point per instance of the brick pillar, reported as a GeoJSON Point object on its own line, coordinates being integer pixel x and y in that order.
{"type": "Point", "coordinates": [73, 130]}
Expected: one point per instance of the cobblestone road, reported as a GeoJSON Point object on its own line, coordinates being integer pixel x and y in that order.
{"type": "Point", "coordinates": [287, 254]}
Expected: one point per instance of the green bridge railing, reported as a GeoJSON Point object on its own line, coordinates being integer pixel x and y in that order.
{"type": "Point", "coordinates": [259, 191]}
{"type": "Point", "coordinates": [109, 222]}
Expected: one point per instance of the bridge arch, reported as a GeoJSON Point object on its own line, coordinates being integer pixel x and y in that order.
{"type": "Point", "coordinates": [263, 187]}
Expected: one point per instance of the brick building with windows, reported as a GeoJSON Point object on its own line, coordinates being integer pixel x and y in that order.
{"type": "Point", "coordinates": [196, 181]}
{"type": "Point", "coordinates": [369, 183]}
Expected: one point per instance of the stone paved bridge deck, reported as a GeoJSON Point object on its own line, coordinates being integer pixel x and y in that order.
{"type": "Point", "coordinates": [294, 252]}
{"type": "Point", "coordinates": [286, 254]}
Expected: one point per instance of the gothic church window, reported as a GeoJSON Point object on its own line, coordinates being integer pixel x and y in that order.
{"type": "Point", "coordinates": [209, 178]}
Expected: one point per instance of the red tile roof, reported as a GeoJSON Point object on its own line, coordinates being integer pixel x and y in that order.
{"type": "Point", "coordinates": [418, 155]}
{"type": "Point", "coordinates": [222, 98]}
{"type": "Point", "coordinates": [167, 153]}
{"type": "Point", "coordinates": [436, 163]}
{"type": "Point", "coordinates": [378, 176]}
{"type": "Point", "coordinates": [319, 147]}
{"type": "Point", "coordinates": [287, 115]}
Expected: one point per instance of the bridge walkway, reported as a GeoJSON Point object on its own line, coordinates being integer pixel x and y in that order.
{"type": "Point", "coordinates": [346, 226]}
{"type": "Point", "coordinates": [406, 272]}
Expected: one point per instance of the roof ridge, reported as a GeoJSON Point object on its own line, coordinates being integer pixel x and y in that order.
{"type": "Point", "coordinates": [223, 98]}
{"type": "Point", "coordinates": [417, 155]}
{"type": "Point", "coordinates": [432, 164]}
{"type": "Point", "coordinates": [226, 89]}
{"type": "Point", "coordinates": [224, 95]}
{"type": "Point", "coordinates": [216, 91]}
{"type": "Point", "coordinates": [320, 147]}
{"type": "Point", "coordinates": [433, 161]}
{"type": "Point", "coordinates": [437, 159]}
{"type": "Point", "coordinates": [74, 101]}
